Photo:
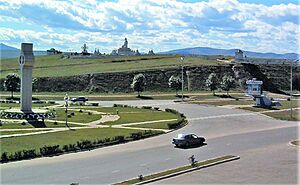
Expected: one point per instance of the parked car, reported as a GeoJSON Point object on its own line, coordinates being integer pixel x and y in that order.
{"type": "Point", "coordinates": [79, 99]}
{"type": "Point", "coordinates": [186, 140]}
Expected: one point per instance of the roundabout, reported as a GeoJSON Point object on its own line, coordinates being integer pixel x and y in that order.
{"type": "Point", "coordinates": [261, 142]}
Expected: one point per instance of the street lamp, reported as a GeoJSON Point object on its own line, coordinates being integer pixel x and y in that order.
{"type": "Point", "coordinates": [182, 59]}
{"type": "Point", "coordinates": [67, 98]}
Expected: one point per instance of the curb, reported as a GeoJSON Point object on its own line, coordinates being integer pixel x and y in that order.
{"type": "Point", "coordinates": [293, 145]}
{"type": "Point", "coordinates": [189, 170]}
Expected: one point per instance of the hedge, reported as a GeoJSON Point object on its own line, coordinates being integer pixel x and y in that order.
{"type": "Point", "coordinates": [79, 146]}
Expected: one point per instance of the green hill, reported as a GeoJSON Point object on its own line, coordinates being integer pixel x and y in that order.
{"type": "Point", "coordinates": [56, 65]}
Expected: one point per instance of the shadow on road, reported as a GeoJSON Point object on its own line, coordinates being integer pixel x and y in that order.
{"type": "Point", "coordinates": [191, 146]}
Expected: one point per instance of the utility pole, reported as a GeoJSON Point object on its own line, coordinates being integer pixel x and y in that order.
{"type": "Point", "coordinates": [67, 98]}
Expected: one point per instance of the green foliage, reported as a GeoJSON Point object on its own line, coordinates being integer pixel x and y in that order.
{"type": "Point", "coordinates": [138, 83]}
{"type": "Point", "coordinates": [227, 83]}
{"type": "Point", "coordinates": [12, 83]}
{"type": "Point", "coordinates": [212, 82]}
{"type": "Point", "coordinates": [175, 83]}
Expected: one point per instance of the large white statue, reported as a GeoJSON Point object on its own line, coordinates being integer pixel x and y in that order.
{"type": "Point", "coordinates": [26, 61]}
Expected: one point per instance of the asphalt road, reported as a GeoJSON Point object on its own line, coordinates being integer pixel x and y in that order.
{"type": "Point", "coordinates": [262, 143]}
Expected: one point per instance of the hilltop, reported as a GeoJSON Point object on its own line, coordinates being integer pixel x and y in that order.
{"type": "Point", "coordinates": [230, 52]}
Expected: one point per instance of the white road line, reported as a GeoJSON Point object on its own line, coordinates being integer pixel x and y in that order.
{"type": "Point", "coordinates": [115, 171]}
{"type": "Point", "coordinates": [223, 116]}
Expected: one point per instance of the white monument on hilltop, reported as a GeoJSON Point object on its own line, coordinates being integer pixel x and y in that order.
{"type": "Point", "coordinates": [26, 61]}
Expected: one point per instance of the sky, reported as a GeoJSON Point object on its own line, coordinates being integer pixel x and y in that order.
{"type": "Point", "coordinates": [161, 25]}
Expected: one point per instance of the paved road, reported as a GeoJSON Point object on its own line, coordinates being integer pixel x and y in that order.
{"type": "Point", "coordinates": [262, 143]}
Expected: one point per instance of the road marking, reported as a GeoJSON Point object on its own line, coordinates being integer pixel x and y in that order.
{"type": "Point", "coordinates": [115, 171]}
{"type": "Point", "coordinates": [223, 116]}
{"type": "Point", "coordinates": [168, 159]}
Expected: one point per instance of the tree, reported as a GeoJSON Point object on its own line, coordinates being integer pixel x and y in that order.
{"type": "Point", "coordinates": [212, 82]}
{"type": "Point", "coordinates": [175, 83]}
{"type": "Point", "coordinates": [138, 83]}
{"type": "Point", "coordinates": [227, 83]}
{"type": "Point", "coordinates": [12, 83]}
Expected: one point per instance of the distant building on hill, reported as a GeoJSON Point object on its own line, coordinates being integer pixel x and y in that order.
{"type": "Point", "coordinates": [124, 50]}
{"type": "Point", "coordinates": [151, 52]}
{"type": "Point", "coordinates": [239, 55]}
{"type": "Point", "coordinates": [53, 51]}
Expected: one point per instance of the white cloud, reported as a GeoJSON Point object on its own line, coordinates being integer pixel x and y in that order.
{"type": "Point", "coordinates": [161, 24]}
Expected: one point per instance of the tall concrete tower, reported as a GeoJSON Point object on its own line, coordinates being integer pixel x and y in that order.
{"type": "Point", "coordinates": [26, 61]}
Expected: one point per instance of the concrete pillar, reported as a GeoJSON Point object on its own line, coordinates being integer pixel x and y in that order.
{"type": "Point", "coordinates": [26, 61]}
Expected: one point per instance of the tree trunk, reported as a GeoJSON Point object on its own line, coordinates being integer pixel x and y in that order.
{"type": "Point", "coordinates": [176, 92]}
{"type": "Point", "coordinates": [139, 94]}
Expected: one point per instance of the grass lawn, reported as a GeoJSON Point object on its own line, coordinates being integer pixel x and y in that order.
{"type": "Point", "coordinates": [14, 144]}
{"type": "Point", "coordinates": [17, 105]}
{"type": "Point", "coordinates": [79, 117]}
{"type": "Point", "coordinates": [15, 125]}
{"type": "Point", "coordinates": [159, 125]}
{"type": "Point", "coordinates": [19, 132]}
{"type": "Point", "coordinates": [285, 115]}
{"type": "Point", "coordinates": [226, 102]}
{"type": "Point", "coordinates": [54, 65]}
{"type": "Point", "coordinates": [143, 116]}
{"type": "Point", "coordinates": [285, 105]}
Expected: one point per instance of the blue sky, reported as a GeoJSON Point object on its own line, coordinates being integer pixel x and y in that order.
{"type": "Point", "coordinates": [256, 25]}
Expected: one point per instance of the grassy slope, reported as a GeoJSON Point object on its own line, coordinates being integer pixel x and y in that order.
{"type": "Point", "coordinates": [51, 66]}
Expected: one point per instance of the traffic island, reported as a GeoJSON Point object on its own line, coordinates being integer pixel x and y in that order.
{"type": "Point", "coordinates": [295, 143]}
{"type": "Point", "coordinates": [180, 170]}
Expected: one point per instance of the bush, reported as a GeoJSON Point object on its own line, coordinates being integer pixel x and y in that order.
{"type": "Point", "coordinates": [146, 107]}
{"type": "Point", "coordinates": [80, 111]}
{"type": "Point", "coordinates": [29, 154]}
{"type": "Point", "coordinates": [4, 157]}
{"type": "Point", "coordinates": [89, 113]}
{"type": "Point", "coordinates": [55, 123]}
{"type": "Point", "coordinates": [120, 139]}
{"type": "Point", "coordinates": [84, 144]}
{"type": "Point", "coordinates": [136, 136]}
{"type": "Point", "coordinates": [23, 123]}
{"type": "Point", "coordinates": [178, 124]}
{"type": "Point", "coordinates": [49, 150]}
{"type": "Point", "coordinates": [18, 155]}
{"type": "Point", "coordinates": [172, 111]}
{"type": "Point", "coordinates": [73, 114]}
{"type": "Point", "coordinates": [156, 108]}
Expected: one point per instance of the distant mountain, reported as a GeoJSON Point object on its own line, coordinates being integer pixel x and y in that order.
{"type": "Point", "coordinates": [11, 52]}
{"type": "Point", "coordinates": [229, 52]}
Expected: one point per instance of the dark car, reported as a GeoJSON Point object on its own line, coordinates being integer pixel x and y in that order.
{"type": "Point", "coordinates": [79, 99]}
{"type": "Point", "coordinates": [186, 140]}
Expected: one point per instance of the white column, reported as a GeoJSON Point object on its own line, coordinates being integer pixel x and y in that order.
{"type": "Point", "coordinates": [26, 89]}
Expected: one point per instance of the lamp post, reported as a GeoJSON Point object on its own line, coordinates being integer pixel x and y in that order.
{"type": "Point", "coordinates": [182, 59]}
{"type": "Point", "coordinates": [67, 98]}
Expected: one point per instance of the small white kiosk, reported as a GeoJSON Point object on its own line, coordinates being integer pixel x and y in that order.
{"type": "Point", "coordinates": [254, 89]}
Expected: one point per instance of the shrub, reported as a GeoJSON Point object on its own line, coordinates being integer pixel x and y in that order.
{"type": "Point", "coordinates": [29, 154]}
{"type": "Point", "coordinates": [73, 114]}
{"type": "Point", "coordinates": [178, 124]}
{"type": "Point", "coordinates": [146, 107]}
{"type": "Point", "coordinates": [84, 144]}
{"type": "Point", "coordinates": [69, 115]}
{"type": "Point", "coordinates": [23, 123]}
{"type": "Point", "coordinates": [4, 157]}
{"type": "Point", "coordinates": [172, 111]}
{"type": "Point", "coordinates": [89, 113]}
{"type": "Point", "coordinates": [1, 123]}
{"type": "Point", "coordinates": [136, 136]}
{"type": "Point", "coordinates": [119, 139]}
{"type": "Point", "coordinates": [80, 111]}
{"type": "Point", "coordinates": [18, 155]}
{"type": "Point", "coordinates": [106, 140]}
{"type": "Point", "coordinates": [156, 108]}
{"type": "Point", "coordinates": [55, 123]}
{"type": "Point", "coordinates": [49, 150]}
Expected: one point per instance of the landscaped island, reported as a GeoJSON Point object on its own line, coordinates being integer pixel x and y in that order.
{"type": "Point", "coordinates": [89, 127]}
